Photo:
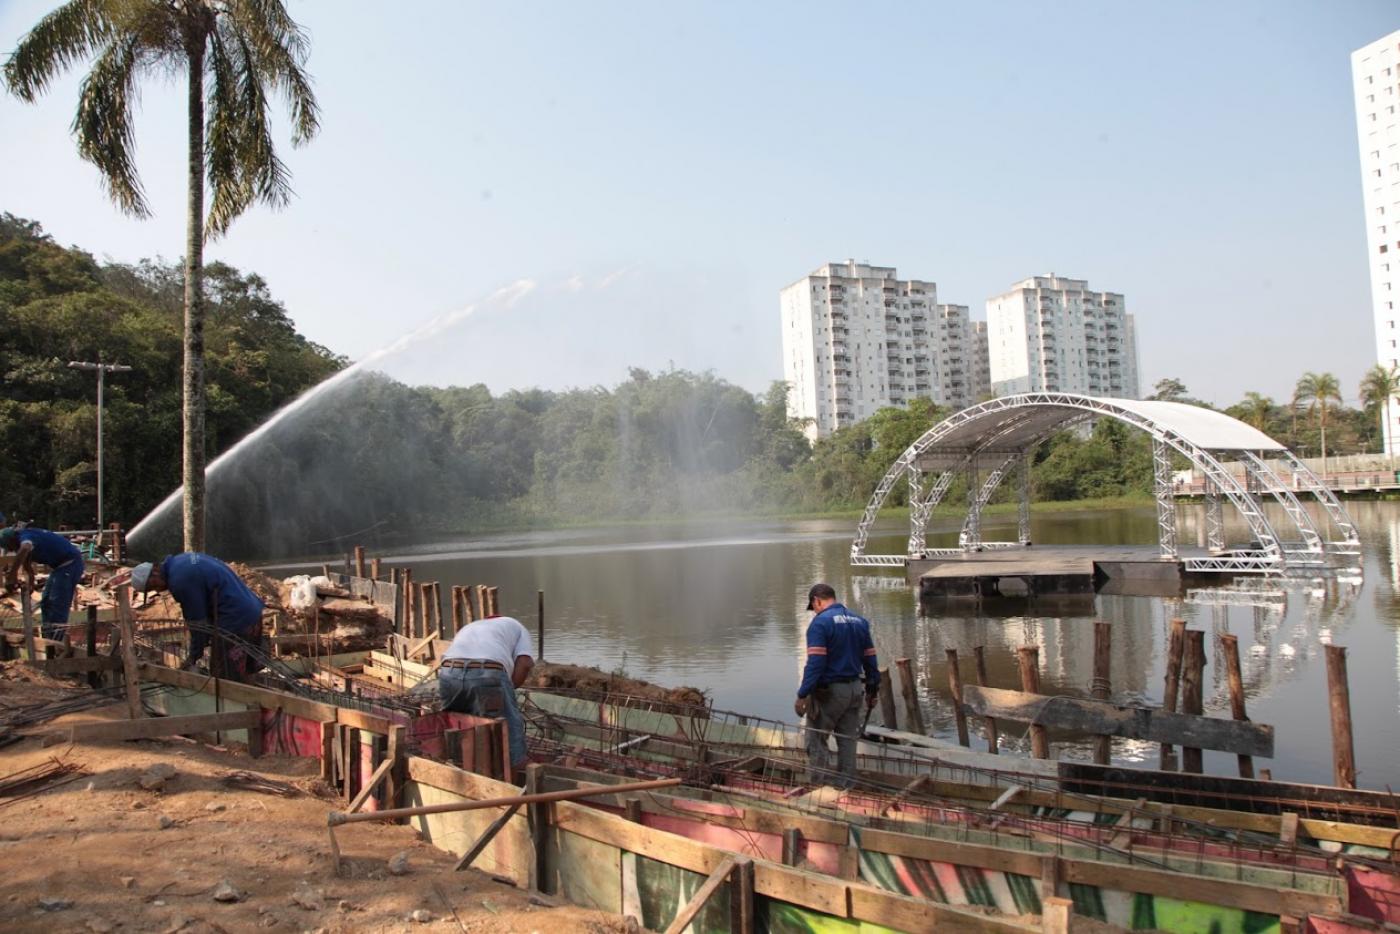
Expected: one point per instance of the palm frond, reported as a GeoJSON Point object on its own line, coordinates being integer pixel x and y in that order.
{"type": "Point", "coordinates": [279, 48]}
{"type": "Point", "coordinates": [103, 123]}
{"type": "Point", "coordinates": [66, 36]}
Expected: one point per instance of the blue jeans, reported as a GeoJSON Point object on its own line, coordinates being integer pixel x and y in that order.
{"type": "Point", "coordinates": [57, 599]}
{"type": "Point", "coordinates": [472, 690]}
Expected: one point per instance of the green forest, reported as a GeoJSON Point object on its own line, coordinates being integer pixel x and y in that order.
{"type": "Point", "coordinates": [383, 459]}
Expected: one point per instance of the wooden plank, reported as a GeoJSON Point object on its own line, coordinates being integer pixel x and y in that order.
{"type": "Point", "coordinates": [486, 837]}
{"type": "Point", "coordinates": [1230, 649]}
{"type": "Point", "coordinates": [240, 693]}
{"type": "Point", "coordinates": [1153, 725]}
{"type": "Point", "coordinates": [956, 852]}
{"type": "Point", "coordinates": [368, 788]}
{"type": "Point", "coordinates": [397, 753]}
{"type": "Point", "coordinates": [1227, 892]}
{"type": "Point", "coordinates": [741, 888]}
{"type": "Point", "coordinates": [905, 913]}
{"type": "Point", "coordinates": [887, 713]}
{"type": "Point", "coordinates": [360, 720]}
{"type": "Point", "coordinates": [26, 601]}
{"type": "Point", "coordinates": [690, 909]}
{"type": "Point", "coordinates": [150, 727]}
{"type": "Point", "coordinates": [1056, 914]}
{"type": "Point", "coordinates": [911, 697]}
{"type": "Point", "coordinates": [807, 889]}
{"type": "Point", "coordinates": [79, 665]}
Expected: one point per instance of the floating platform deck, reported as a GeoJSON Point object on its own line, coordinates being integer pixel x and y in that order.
{"type": "Point", "coordinates": [1060, 574]}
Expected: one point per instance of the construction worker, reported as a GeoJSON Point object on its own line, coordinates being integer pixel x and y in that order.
{"type": "Point", "coordinates": [480, 671]}
{"type": "Point", "coordinates": [838, 648]}
{"type": "Point", "coordinates": [211, 596]}
{"type": "Point", "coordinates": [65, 563]}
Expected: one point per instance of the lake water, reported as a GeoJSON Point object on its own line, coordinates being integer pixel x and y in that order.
{"type": "Point", "coordinates": [721, 607]}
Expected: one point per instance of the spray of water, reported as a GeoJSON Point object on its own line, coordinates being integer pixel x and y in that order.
{"type": "Point", "coordinates": [142, 534]}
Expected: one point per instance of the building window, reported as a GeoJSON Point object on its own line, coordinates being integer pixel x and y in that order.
{"type": "Point", "coordinates": [1384, 248]}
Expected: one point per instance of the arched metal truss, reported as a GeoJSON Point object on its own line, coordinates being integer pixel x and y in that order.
{"type": "Point", "coordinates": [1002, 434]}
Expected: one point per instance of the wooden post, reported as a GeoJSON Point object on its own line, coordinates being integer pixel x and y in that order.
{"type": "Point", "coordinates": [914, 716]}
{"type": "Point", "coordinates": [483, 602]}
{"type": "Point", "coordinates": [26, 605]}
{"type": "Point", "coordinates": [398, 752]}
{"type": "Point", "coordinates": [1103, 645]}
{"type": "Point", "coordinates": [456, 610]}
{"type": "Point", "coordinates": [1230, 649]}
{"type": "Point", "coordinates": [1192, 691]}
{"type": "Point", "coordinates": [468, 612]}
{"type": "Point", "coordinates": [359, 560]}
{"type": "Point", "coordinates": [328, 752]}
{"type": "Point", "coordinates": [375, 568]}
{"type": "Point", "coordinates": [955, 689]}
{"type": "Point", "coordinates": [979, 654]}
{"type": "Point", "coordinates": [792, 846]}
{"type": "Point", "coordinates": [1057, 915]}
{"type": "Point", "coordinates": [540, 815]}
{"type": "Point", "coordinates": [128, 637]}
{"type": "Point", "coordinates": [1176, 645]}
{"type": "Point", "coordinates": [887, 700]}
{"type": "Point", "coordinates": [406, 588]}
{"type": "Point", "coordinates": [1028, 660]}
{"type": "Point", "coordinates": [425, 594]}
{"type": "Point", "coordinates": [437, 609]}
{"type": "Point", "coordinates": [495, 594]}
{"type": "Point", "coordinates": [540, 648]}
{"type": "Point", "coordinates": [1339, 701]}
{"type": "Point", "coordinates": [94, 677]}
{"type": "Point", "coordinates": [118, 543]}
{"type": "Point", "coordinates": [632, 809]}
{"type": "Point", "coordinates": [741, 897]}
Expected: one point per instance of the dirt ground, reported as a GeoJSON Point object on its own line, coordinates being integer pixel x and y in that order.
{"type": "Point", "coordinates": [101, 853]}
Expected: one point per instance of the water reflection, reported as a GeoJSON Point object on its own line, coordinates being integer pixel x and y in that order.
{"type": "Point", "coordinates": [721, 607]}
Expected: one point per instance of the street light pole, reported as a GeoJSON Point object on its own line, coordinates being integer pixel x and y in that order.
{"type": "Point", "coordinates": [102, 370]}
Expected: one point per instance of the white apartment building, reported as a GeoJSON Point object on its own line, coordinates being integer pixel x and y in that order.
{"type": "Point", "coordinates": [1054, 334]}
{"type": "Point", "coordinates": [1375, 77]}
{"type": "Point", "coordinates": [981, 363]}
{"type": "Point", "coordinates": [857, 338]}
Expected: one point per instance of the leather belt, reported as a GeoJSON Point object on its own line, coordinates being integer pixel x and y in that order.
{"type": "Point", "coordinates": [472, 663]}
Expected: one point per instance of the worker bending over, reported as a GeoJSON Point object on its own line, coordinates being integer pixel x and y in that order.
{"type": "Point", "coordinates": [481, 669]}
{"type": "Point", "coordinates": [210, 593]}
{"type": "Point", "coordinates": [65, 563]}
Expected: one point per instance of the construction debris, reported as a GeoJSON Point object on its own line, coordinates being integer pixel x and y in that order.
{"type": "Point", "coordinates": [251, 781]}
{"type": "Point", "coordinates": [27, 781]}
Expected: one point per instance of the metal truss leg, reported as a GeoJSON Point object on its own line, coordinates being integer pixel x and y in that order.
{"type": "Point", "coordinates": [1023, 506]}
{"type": "Point", "coordinates": [971, 537]}
{"type": "Point", "coordinates": [918, 514]}
{"type": "Point", "coordinates": [1166, 498]}
{"type": "Point", "coordinates": [1215, 518]}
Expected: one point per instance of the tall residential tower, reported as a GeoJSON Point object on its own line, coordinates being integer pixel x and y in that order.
{"type": "Point", "coordinates": [857, 338]}
{"type": "Point", "coordinates": [1053, 334]}
{"type": "Point", "coordinates": [1375, 78]}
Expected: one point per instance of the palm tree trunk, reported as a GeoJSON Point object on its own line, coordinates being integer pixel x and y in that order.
{"type": "Point", "coordinates": [193, 450]}
{"type": "Point", "coordinates": [1322, 425]}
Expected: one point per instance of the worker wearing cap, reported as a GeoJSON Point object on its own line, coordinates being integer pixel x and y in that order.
{"type": "Point", "coordinates": [839, 648]}
{"type": "Point", "coordinates": [209, 592]}
{"type": "Point", "coordinates": [65, 563]}
{"type": "Point", "coordinates": [480, 671]}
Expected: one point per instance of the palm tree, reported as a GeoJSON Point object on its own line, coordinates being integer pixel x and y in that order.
{"type": "Point", "coordinates": [1378, 387]}
{"type": "Point", "coordinates": [1313, 393]}
{"type": "Point", "coordinates": [1256, 409]}
{"type": "Point", "coordinates": [245, 49]}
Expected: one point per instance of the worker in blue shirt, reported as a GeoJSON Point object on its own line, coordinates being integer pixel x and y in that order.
{"type": "Point", "coordinates": [65, 564]}
{"type": "Point", "coordinates": [839, 648]}
{"type": "Point", "coordinates": [211, 593]}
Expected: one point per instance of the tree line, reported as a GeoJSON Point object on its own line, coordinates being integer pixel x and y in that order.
{"type": "Point", "coordinates": [382, 460]}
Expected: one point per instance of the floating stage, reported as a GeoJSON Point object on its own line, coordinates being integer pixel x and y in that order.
{"type": "Point", "coordinates": [1057, 573]}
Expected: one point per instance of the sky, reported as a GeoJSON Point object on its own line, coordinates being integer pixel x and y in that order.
{"type": "Point", "coordinates": [655, 173]}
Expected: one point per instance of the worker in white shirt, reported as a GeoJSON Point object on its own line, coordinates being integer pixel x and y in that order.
{"type": "Point", "coordinates": [481, 669]}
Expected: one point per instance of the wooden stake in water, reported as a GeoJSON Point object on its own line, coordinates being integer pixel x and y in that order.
{"type": "Point", "coordinates": [887, 710]}
{"type": "Point", "coordinates": [955, 689]}
{"type": "Point", "coordinates": [1100, 689]}
{"type": "Point", "coordinates": [1028, 660]}
{"type": "Point", "coordinates": [1230, 650]}
{"type": "Point", "coordinates": [1339, 702]}
{"type": "Point", "coordinates": [540, 647]}
{"type": "Point", "coordinates": [915, 716]}
{"type": "Point", "coordinates": [1192, 692]}
{"type": "Point", "coordinates": [1176, 645]}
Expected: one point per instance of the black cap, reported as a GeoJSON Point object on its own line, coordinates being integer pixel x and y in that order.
{"type": "Point", "coordinates": [824, 591]}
